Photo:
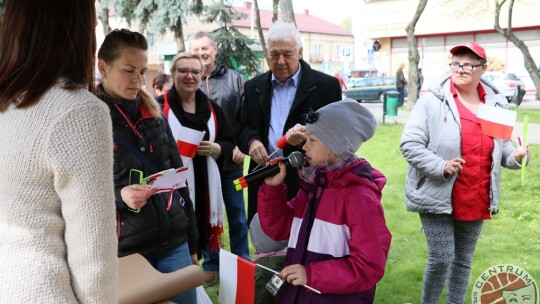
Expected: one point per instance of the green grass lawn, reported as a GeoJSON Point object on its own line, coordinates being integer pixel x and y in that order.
{"type": "Point", "coordinates": [534, 115]}
{"type": "Point", "coordinates": [512, 237]}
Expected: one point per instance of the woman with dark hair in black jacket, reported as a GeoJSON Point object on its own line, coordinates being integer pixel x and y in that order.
{"type": "Point", "coordinates": [160, 227]}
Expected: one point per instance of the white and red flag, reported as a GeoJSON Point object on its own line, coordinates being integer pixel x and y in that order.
{"type": "Point", "coordinates": [188, 141]}
{"type": "Point", "coordinates": [236, 279]}
{"type": "Point", "coordinates": [496, 122]}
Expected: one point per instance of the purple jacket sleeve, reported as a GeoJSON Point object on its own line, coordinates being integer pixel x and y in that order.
{"type": "Point", "coordinates": [274, 211]}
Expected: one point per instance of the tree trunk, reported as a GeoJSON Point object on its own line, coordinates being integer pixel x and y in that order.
{"type": "Point", "coordinates": [275, 6]}
{"type": "Point", "coordinates": [530, 65]}
{"type": "Point", "coordinates": [179, 35]}
{"type": "Point", "coordinates": [414, 56]}
{"type": "Point", "coordinates": [198, 7]}
{"type": "Point", "coordinates": [105, 20]}
{"type": "Point", "coordinates": [287, 11]}
{"type": "Point", "coordinates": [260, 30]}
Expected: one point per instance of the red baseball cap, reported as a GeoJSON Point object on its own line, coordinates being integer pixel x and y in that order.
{"type": "Point", "coordinates": [473, 46]}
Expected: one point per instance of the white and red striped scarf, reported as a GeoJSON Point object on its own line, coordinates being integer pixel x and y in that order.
{"type": "Point", "coordinates": [215, 217]}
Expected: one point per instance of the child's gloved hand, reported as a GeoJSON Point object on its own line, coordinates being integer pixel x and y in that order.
{"type": "Point", "coordinates": [278, 178]}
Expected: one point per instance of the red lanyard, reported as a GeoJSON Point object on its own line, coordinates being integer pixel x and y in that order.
{"type": "Point", "coordinates": [131, 125]}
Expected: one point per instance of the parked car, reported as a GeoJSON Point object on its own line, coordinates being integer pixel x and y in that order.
{"type": "Point", "coordinates": [371, 88]}
{"type": "Point", "coordinates": [507, 83]}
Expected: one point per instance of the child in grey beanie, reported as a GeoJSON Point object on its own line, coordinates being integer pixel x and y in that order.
{"type": "Point", "coordinates": [338, 238]}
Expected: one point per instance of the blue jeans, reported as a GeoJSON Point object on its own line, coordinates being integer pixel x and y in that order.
{"type": "Point", "coordinates": [171, 261]}
{"type": "Point", "coordinates": [236, 216]}
{"type": "Point", "coordinates": [401, 95]}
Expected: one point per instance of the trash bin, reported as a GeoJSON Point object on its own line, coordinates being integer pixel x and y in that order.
{"type": "Point", "coordinates": [518, 98]}
{"type": "Point", "coordinates": [391, 103]}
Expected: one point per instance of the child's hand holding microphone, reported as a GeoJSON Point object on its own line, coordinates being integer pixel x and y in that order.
{"type": "Point", "coordinates": [278, 178]}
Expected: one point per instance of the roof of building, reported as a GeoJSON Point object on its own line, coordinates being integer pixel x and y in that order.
{"type": "Point", "coordinates": [305, 22]}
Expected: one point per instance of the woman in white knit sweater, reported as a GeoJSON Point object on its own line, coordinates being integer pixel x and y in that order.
{"type": "Point", "coordinates": [57, 217]}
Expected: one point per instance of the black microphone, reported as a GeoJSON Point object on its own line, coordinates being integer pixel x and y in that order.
{"type": "Point", "coordinates": [294, 160]}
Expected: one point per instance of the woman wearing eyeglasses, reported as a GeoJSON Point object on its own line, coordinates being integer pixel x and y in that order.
{"type": "Point", "coordinates": [453, 177]}
{"type": "Point", "coordinates": [160, 226]}
{"type": "Point", "coordinates": [188, 110]}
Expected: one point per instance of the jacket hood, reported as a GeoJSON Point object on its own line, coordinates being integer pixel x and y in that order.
{"type": "Point", "coordinates": [359, 172]}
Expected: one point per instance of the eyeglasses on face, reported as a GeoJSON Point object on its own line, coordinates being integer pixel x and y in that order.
{"type": "Point", "coordinates": [186, 71]}
{"type": "Point", "coordinates": [466, 67]}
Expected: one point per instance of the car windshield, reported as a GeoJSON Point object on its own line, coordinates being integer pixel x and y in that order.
{"type": "Point", "coordinates": [389, 81]}
{"type": "Point", "coordinates": [511, 77]}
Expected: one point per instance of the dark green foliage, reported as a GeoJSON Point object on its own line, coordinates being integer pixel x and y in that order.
{"type": "Point", "coordinates": [2, 8]}
{"type": "Point", "coordinates": [156, 16]}
{"type": "Point", "coordinates": [197, 7]}
{"type": "Point", "coordinates": [233, 47]}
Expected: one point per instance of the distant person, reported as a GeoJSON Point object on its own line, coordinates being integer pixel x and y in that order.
{"type": "Point", "coordinates": [420, 81]}
{"type": "Point", "coordinates": [454, 170]}
{"type": "Point", "coordinates": [57, 220]}
{"type": "Point", "coordinates": [341, 80]}
{"type": "Point", "coordinates": [275, 102]}
{"type": "Point", "coordinates": [224, 86]}
{"type": "Point", "coordinates": [401, 82]}
{"type": "Point", "coordinates": [338, 239]}
{"type": "Point", "coordinates": [161, 83]}
{"type": "Point", "coordinates": [162, 227]}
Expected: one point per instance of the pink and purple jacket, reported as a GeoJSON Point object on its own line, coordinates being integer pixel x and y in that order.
{"type": "Point", "coordinates": [336, 229]}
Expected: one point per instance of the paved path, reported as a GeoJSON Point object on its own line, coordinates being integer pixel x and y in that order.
{"type": "Point", "coordinates": [529, 102]}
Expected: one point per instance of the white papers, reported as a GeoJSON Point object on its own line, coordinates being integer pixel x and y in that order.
{"type": "Point", "coordinates": [168, 179]}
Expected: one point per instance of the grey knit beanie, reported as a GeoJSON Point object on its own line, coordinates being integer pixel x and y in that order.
{"type": "Point", "coordinates": [342, 126]}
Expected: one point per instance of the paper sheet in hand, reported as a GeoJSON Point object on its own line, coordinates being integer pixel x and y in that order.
{"type": "Point", "coordinates": [168, 179]}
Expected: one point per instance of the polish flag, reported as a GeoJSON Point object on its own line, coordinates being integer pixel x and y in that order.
{"type": "Point", "coordinates": [236, 279]}
{"type": "Point", "coordinates": [189, 140]}
{"type": "Point", "coordinates": [496, 122]}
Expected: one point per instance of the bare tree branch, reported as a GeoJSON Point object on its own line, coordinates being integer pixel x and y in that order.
{"type": "Point", "coordinates": [275, 6]}
{"type": "Point", "coordinates": [287, 11]}
{"type": "Point", "coordinates": [104, 14]}
{"type": "Point", "coordinates": [259, 30]}
{"type": "Point", "coordinates": [530, 65]}
{"type": "Point", "coordinates": [414, 56]}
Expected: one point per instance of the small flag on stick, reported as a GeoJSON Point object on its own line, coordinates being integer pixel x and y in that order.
{"type": "Point", "coordinates": [236, 279]}
{"type": "Point", "coordinates": [496, 122]}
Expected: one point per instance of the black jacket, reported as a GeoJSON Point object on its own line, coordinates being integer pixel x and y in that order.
{"type": "Point", "coordinates": [225, 87]}
{"type": "Point", "coordinates": [153, 229]}
{"type": "Point", "coordinates": [315, 90]}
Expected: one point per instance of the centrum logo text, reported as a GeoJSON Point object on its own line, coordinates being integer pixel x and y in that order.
{"type": "Point", "coordinates": [505, 284]}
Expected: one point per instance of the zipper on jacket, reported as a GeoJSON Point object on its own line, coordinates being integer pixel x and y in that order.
{"type": "Point", "coordinates": [208, 92]}
{"type": "Point", "coordinates": [421, 182]}
{"type": "Point", "coordinates": [118, 230]}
